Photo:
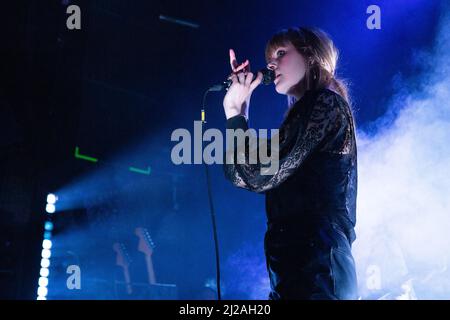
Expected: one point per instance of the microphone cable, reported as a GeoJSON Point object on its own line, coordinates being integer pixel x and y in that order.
{"type": "Point", "coordinates": [211, 204]}
{"type": "Point", "coordinates": [268, 77]}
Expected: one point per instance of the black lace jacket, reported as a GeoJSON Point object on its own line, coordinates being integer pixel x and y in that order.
{"type": "Point", "coordinates": [317, 173]}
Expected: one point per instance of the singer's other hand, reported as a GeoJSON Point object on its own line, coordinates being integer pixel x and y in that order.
{"type": "Point", "coordinates": [235, 68]}
{"type": "Point", "coordinates": [237, 100]}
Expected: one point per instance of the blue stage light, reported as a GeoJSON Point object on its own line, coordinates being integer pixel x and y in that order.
{"type": "Point", "coordinates": [47, 235]}
{"type": "Point", "coordinates": [48, 226]}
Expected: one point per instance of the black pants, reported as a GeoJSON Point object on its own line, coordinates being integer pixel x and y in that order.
{"type": "Point", "coordinates": [309, 263]}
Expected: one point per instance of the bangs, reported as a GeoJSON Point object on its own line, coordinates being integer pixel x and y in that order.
{"type": "Point", "coordinates": [278, 40]}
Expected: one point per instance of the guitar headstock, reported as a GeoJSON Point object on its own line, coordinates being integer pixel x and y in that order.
{"type": "Point", "coordinates": [146, 244]}
{"type": "Point", "coordinates": [122, 257]}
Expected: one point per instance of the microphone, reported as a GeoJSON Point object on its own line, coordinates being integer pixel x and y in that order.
{"type": "Point", "coordinates": [268, 77]}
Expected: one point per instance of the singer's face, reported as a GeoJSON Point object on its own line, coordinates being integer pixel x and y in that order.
{"type": "Point", "coordinates": [290, 68]}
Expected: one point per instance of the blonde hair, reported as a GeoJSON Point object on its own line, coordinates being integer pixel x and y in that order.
{"type": "Point", "coordinates": [320, 55]}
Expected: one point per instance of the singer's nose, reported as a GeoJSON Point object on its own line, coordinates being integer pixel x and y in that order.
{"type": "Point", "coordinates": [271, 65]}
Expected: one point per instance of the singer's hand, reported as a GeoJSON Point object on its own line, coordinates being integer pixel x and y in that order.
{"type": "Point", "coordinates": [236, 101]}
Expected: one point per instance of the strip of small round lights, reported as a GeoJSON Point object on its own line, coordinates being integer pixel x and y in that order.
{"type": "Point", "coordinates": [46, 252]}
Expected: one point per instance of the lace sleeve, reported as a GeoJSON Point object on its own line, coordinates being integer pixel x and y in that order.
{"type": "Point", "coordinates": [326, 118]}
{"type": "Point", "coordinates": [230, 170]}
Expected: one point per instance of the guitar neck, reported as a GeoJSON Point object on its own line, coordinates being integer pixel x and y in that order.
{"type": "Point", "coordinates": [150, 271]}
{"type": "Point", "coordinates": [126, 274]}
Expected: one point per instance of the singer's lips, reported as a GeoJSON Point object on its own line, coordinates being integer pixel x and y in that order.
{"type": "Point", "coordinates": [276, 77]}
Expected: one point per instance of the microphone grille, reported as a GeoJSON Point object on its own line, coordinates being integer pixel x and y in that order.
{"type": "Point", "coordinates": [268, 76]}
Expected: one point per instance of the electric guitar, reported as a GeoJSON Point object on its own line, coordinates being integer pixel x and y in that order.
{"type": "Point", "coordinates": [123, 260]}
{"type": "Point", "coordinates": [146, 246]}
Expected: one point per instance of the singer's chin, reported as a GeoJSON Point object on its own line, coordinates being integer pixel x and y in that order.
{"type": "Point", "coordinates": [280, 89]}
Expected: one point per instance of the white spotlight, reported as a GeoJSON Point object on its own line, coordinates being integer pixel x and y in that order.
{"type": "Point", "coordinates": [46, 253]}
{"type": "Point", "coordinates": [47, 244]}
{"type": "Point", "coordinates": [50, 208]}
{"type": "Point", "coordinates": [45, 263]}
{"type": "Point", "coordinates": [51, 198]}
{"type": "Point", "coordinates": [43, 282]}
{"type": "Point", "coordinates": [44, 272]}
{"type": "Point", "coordinates": [42, 291]}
